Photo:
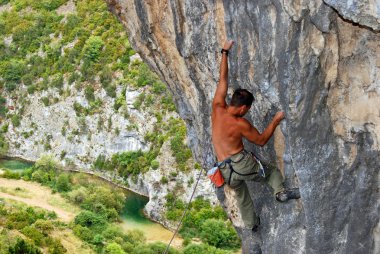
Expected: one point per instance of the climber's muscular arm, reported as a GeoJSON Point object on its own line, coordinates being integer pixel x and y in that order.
{"type": "Point", "coordinates": [254, 136]}
{"type": "Point", "coordinates": [221, 90]}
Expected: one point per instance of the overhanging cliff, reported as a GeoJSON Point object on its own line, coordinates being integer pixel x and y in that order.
{"type": "Point", "coordinates": [307, 58]}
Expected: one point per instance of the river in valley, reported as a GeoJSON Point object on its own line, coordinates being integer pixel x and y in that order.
{"type": "Point", "coordinates": [15, 165]}
{"type": "Point", "coordinates": [132, 214]}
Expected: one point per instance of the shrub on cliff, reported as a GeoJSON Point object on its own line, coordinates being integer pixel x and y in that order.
{"type": "Point", "coordinates": [48, 5]}
{"type": "Point", "coordinates": [3, 108]}
{"type": "Point", "coordinates": [16, 120]}
{"type": "Point", "coordinates": [89, 93]}
{"type": "Point", "coordinates": [153, 248]}
{"type": "Point", "coordinates": [12, 71]}
{"type": "Point", "coordinates": [3, 145]}
{"type": "Point", "coordinates": [92, 48]}
{"type": "Point", "coordinates": [218, 234]}
{"type": "Point", "coordinates": [145, 76]}
{"type": "Point", "coordinates": [9, 174]}
{"type": "Point", "coordinates": [2, 2]}
{"type": "Point", "coordinates": [113, 248]}
{"type": "Point", "coordinates": [63, 183]}
{"type": "Point", "coordinates": [21, 246]}
{"type": "Point", "coordinates": [203, 249]}
{"type": "Point", "coordinates": [33, 234]}
{"type": "Point", "coordinates": [83, 233]}
{"type": "Point", "coordinates": [90, 220]}
{"type": "Point", "coordinates": [57, 80]}
{"type": "Point", "coordinates": [47, 163]}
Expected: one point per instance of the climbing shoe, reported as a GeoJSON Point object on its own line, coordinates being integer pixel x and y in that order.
{"type": "Point", "coordinates": [285, 195]}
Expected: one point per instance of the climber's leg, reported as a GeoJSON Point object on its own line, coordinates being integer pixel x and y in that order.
{"type": "Point", "coordinates": [274, 178]}
{"type": "Point", "coordinates": [276, 181]}
{"type": "Point", "coordinates": [245, 165]}
{"type": "Point", "coordinates": [245, 204]}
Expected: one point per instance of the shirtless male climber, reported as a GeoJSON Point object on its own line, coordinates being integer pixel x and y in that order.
{"type": "Point", "coordinates": [236, 164]}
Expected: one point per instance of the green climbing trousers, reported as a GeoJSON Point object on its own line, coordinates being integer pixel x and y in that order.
{"type": "Point", "coordinates": [246, 168]}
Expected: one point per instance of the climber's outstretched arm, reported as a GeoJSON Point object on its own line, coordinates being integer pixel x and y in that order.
{"type": "Point", "coordinates": [254, 136]}
{"type": "Point", "coordinates": [221, 90]}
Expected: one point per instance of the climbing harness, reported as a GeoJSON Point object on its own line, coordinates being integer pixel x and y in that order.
{"type": "Point", "coordinates": [229, 161]}
{"type": "Point", "coordinates": [184, 212]}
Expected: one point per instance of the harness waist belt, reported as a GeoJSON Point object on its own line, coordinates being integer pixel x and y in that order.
{"type": "Point", "coordinates": [229, 162]}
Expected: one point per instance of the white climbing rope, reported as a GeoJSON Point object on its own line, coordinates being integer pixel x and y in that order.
{"type": "Point", "coordinates": [184, 212]}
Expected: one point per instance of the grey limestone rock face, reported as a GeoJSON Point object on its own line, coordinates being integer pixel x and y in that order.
{"type": "Point", "coordinates": [300, 57]}
{"type": "Point", "coordinates": [363, 12]}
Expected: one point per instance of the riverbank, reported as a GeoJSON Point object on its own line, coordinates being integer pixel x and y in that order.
{"type": "Point", "coordinates": [155, 210]}
{"type": "Point", "coordinates": [47, 220]}
{"type": "Point", "coordinates": [34, 194]}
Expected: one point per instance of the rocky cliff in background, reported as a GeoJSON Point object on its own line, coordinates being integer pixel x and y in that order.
{"type": "Point", "coordinates": [319, 62]}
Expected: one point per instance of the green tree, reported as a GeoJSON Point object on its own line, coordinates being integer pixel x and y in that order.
{"type": "Point", "coordinates": [216, 233]}
{"type": "Point", "coordinates": [92, 48]}
{"type": "Point", "coordinates": [154, 164]}
{"type": "Point", "coordinates": [48, 5]}
{"type": "Point", "coordinates": [56, 247]}
{"type": "Point", "coordinates": [146, 76]}
{"type": "Point", "coordinates": [106, 76]}
{"type": "Point", "coordinates": [89, 219]}
{"type": "Point", "coordinates": [33, 234]}
{"type": "Point", "coordinates": [89, 93]}
{"type": "Point", "coordinates": [77, 196]}
{"type": "Point", "coordinates": [57, 80]}
{"type": "Point", "coordinates": [16, 121]}
{"type": "Point", "coordinates": [113, 248]}
{"type": "Point", "coordinates": [83, 233]}
{"type": "Point", "coordinates": [22, 218]}
{"type": "Point", "coordinates": [3, 145]}
{"type": "Point", "coordinates": [202, 249]}
{"type": "Point", "coordinates": [4, 2]}
{"type": "Point", "coordinates": [47, 163]}
{"type": "Point", "coordinates": [135, 236]}
{"type": "Point", "coordinates": [12, 71]}
{"type": "Point", "coordinates": [106, 197]}
{"type": "Point", "coordinates": [40, 176]}
{"type": "Point", "coordinates": [63, 183]}
{"type": "Point", "coordinates": [23, 247]}
{"type": "Point", "coordinates": [112, 232]}
{"type": "Point", "coordinates": [3, 108]}
{"type": "Point", "coordinates": [44, 226]}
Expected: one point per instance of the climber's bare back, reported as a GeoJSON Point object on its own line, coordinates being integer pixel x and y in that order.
{"type": "Point", "coordinates": [226, 132]}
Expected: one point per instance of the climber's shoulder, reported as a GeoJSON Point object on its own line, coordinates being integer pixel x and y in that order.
{"type": "Point", "coordinates": [243, 123]}
{"type": "Point", "coordinates": [219, 101]}
{"type": "Point", "coordinates": [218, 106]}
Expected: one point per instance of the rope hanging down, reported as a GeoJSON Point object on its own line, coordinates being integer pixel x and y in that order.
{"type": "Point", "coordinates": [184, 212]}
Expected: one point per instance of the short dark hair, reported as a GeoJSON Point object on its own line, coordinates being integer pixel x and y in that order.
{"type": "Point", "coordinates": [241, 97]}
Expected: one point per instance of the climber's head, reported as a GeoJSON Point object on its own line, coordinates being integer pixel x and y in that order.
{"type": "Point", "coordinates": [242, 100]}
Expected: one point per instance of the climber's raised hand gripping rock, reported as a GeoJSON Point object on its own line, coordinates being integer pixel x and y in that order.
{"type": "Point", "coordinates": [236, 164]}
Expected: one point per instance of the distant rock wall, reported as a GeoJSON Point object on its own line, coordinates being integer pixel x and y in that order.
{"type": "Point", "coordinates": [77, 140]}
{"type": "Point", "coordinates": [316, 60]}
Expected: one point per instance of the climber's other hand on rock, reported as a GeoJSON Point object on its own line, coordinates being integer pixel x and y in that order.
{"type": "Point", "coordinates": [228, 45]}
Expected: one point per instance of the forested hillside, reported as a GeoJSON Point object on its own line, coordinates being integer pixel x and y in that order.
{"type": "Point", "coordinates": [76, 96]}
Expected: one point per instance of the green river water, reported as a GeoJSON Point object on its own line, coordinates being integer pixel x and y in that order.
{"type": "Point", "coordinates": [15, 165]}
